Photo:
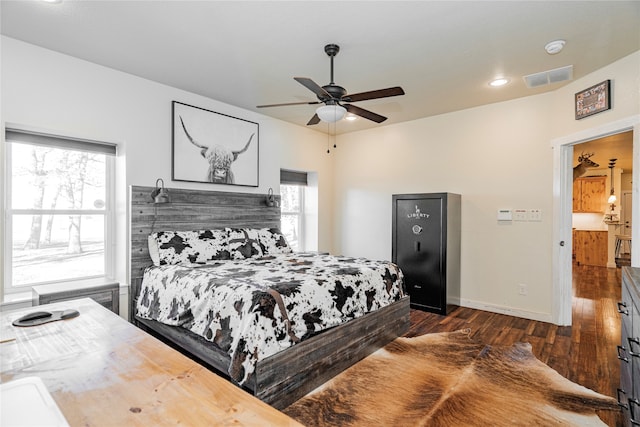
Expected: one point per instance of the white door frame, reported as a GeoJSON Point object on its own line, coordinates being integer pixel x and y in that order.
{"type": "Point", "coordinates": [563, 206]}
{"type": "Point", "coordinates": [625, 210]}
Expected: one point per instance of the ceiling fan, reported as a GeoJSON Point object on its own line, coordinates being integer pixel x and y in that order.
{"type": "Point", "coordinates": [335, 98]}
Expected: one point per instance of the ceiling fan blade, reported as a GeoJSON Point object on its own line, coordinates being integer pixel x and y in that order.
{"type": "Point", "coordinates": [374, 94]}
{"type": "Point", "coordinates": [289, 103]}
{"type": "Point", "coordinates": [314, 120]}
{"type": "Point", "coordinates": [365, 113]}
{"type": "Point", "coordinates": [313, 87]}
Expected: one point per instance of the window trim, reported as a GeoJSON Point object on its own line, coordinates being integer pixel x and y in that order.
{"type": "Point", "coordinates": [13, 135]}
{"type": "Point", "coordinates": [64, 142]}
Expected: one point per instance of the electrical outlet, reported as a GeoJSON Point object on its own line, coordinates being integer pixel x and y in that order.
{"type": "Point", "coordinates": [522, 289]}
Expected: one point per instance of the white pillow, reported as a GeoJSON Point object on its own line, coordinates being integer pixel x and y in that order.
{"type": "Point", "coordinates": [153, 250]}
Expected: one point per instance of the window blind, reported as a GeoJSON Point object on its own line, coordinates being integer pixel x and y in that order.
{"type": "Point", "coordinates": [289, 177]}
{"type": "Point", "coordinates": [36, 138]}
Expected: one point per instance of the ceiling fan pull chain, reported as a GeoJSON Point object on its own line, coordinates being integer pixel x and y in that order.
{"type": "Point", "coordinates": [328, 138]}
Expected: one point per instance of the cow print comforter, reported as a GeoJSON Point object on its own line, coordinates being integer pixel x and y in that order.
{"type": "Point", "coordinates": [256, 307]}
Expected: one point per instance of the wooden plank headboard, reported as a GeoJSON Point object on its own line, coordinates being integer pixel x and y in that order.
{"type": "Point", "coordinates": [190, 210]}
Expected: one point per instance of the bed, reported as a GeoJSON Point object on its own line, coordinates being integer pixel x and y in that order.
{"type": "Point", "coordinates": [296, 360]}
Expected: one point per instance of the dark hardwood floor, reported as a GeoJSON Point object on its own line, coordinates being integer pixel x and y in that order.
{"type": "Point", "coordinates": [584, 353]}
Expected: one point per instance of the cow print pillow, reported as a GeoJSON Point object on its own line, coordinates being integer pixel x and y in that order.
{"type": "Point", "coordinates": [243, 243]}
{"type": "Point", "coordinates": [186, 247]}
{"type": "Point", "coordinates": [273, 241]}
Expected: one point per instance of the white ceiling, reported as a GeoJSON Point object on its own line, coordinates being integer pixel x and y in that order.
{"type": "Point", "coordinates": [246, 53]}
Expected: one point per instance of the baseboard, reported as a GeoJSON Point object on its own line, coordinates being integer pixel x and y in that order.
{"type": "Point", "coordinates": [453, 300]}
{"type": "Point", "coordinates": [510, 311]}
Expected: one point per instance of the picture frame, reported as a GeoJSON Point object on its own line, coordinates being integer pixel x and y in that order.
{"type": "Point", "coordinates": [593, 100]}
{"type": "Point", "coordinates": [213, 148]}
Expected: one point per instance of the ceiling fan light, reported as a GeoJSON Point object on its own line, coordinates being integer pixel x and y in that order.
{"type": "Point", "coordinates": [331, 113]}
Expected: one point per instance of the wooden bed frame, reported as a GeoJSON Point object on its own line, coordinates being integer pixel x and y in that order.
{"type": "Point", "coordinates": [288, 375]}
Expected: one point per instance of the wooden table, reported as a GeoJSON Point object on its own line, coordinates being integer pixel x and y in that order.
{"type": "Point", "coordinates": [101, 370]}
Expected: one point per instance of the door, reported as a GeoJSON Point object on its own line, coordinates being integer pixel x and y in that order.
{"type": "Point", "coordinates": [419, 245]}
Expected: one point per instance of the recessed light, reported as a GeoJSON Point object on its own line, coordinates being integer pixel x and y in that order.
{"type": "Point", "coordinates": [554, 47]}
{"type": "Point", "coordinates": [350, 117]}
{"type": "Point", "coordinates": [499, 82]}
{"type": "Point", "coordinates": [52, 1]}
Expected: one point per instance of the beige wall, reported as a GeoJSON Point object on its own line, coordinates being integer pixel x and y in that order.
{"type": "Point", "coordinates": [497, 156]}
{"type": "Point", "coordinates": [305, 150]}
{"type": "Point", "coordinates": [625, 97]}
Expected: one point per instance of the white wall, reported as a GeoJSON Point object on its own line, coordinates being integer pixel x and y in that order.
{"type": "Point", "coordinates": [496, 156]}
{"type": "Point", "coordinates": [56, 93]}
{"type": "Point", "coordinates": [297, 153]}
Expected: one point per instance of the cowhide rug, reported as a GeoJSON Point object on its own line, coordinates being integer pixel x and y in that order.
{"type": "Point", "coordinates": [448, 379]}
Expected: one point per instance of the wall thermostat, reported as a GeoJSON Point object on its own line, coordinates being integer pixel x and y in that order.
{"type": "Point", "coordinates": [504, 215]}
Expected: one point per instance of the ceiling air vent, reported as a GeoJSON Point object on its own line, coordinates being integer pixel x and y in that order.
{"type": "Point", "coordinates": [551, 76]}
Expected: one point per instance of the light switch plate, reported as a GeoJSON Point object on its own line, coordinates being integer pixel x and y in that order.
{"type": "Point", "coordinates": [535, 214]}
{"type": "Point", "coordinates": [520, 214]}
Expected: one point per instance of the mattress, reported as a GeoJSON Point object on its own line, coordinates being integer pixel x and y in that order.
{"type": "Point", "coordinates": [256, 307]}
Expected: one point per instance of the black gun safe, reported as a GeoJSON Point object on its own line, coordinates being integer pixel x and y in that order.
{"type": "Point", "coordinates": [426, 247]}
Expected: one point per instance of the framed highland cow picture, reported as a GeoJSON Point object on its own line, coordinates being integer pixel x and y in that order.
{"type": "Point", "coordinates": [213, 147]}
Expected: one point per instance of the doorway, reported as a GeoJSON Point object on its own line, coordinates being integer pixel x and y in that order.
{"type": "Point", "coordinates": [563, 208]}
{"type": "Point", "coordinates": [601, 176]}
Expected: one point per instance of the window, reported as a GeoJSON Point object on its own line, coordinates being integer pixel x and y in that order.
{"type": "Point", "coordinates": [291, 215]}
{"type": "Point", "coordinates": [292, 211]}
{"type": "Point", "coordinates": [58, 209]}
